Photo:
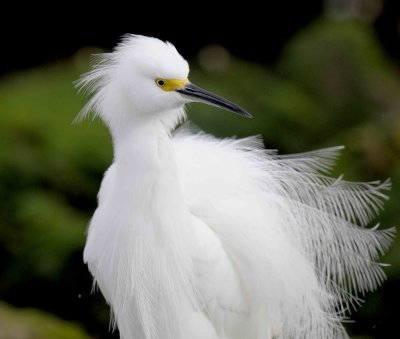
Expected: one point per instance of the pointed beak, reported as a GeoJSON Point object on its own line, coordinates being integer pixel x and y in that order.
{"type": "Point", "coordinates": [196, 94]}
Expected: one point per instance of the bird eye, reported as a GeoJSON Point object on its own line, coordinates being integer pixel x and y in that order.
{"type": "Point", "coordinates": [160, 82]}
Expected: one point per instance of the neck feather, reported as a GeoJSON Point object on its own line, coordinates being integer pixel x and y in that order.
{"type": "Point", "coordinates": [146, 166]}
{"type": "Point", "coordinates": [143, 230]}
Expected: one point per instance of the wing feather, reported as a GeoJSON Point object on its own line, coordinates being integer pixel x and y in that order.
{"type": "Point", "coordinates": [300, 240]}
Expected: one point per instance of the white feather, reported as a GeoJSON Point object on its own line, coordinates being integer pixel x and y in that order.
{"type": "Point", "coordinates": [201, 238]}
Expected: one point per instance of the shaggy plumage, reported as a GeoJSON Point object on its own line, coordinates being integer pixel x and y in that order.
{"type": "Point", "coordinates": [197, 237]}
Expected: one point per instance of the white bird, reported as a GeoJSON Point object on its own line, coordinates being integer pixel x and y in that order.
{"type": "Point", "coordinates": [201, 238]}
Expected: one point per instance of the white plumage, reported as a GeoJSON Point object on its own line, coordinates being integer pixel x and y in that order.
{"type": "Point", "coordinates": [196, 237]}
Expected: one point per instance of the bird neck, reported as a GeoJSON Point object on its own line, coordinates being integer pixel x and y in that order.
{"type": "Point", "coordinates": [144, 154]}
{"type": "Point", "coordinates": [142, 225]}
{"type": "Point", "coordinates": [136, 144]}
{"type": "Point", "coordinates": [143, 139]}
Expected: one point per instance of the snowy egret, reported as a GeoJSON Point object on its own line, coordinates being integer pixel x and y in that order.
{"type": "Point", "coordinates": [196, 237]}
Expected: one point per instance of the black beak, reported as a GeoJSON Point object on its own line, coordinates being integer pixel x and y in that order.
{"type": "Point", "coordinates": [197, 94]}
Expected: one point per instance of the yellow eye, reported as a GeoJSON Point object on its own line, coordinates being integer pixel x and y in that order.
{"type": "Point", "coordinates": [160, 82]}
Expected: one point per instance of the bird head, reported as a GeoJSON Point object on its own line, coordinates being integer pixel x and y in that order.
{"type": "Point", "coordinates": [144, 78]}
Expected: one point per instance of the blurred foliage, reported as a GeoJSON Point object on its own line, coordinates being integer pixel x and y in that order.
{"type": "Point", "coordinates": [34, 324]}
{"type": "Point", "coordinates": [332, 85]}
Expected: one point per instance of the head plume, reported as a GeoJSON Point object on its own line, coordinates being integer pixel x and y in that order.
{"type": "Point", "coordinates": [134, 55]}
